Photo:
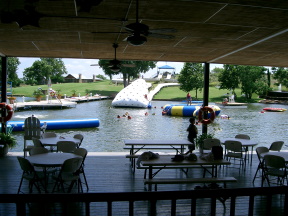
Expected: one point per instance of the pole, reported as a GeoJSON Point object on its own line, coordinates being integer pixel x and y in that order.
{"type": "Point", "coordinates": [206, 93]}
{"type": "Point", "coordinates": [4, 91]}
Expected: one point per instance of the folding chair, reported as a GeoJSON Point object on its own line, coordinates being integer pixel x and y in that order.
{"type": "Point", "coordinates": [275, 166]}
{"type": "Point", "coordinates": [30, 174]}
{"type": "Point", "coordinates": [82, 152]}
{"type": "Point", "coordinates": [260, 167]}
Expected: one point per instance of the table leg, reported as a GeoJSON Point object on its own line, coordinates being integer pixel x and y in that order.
{"type": "Point", "coordinates": [45, 179]}
{"type": "Point", "coordinates": [252, 147]}
{"type": "Point", "coordinates": [150, 176]}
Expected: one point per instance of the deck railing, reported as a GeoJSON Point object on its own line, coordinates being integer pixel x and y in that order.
{"type": "Point", "coordinates": [270, 195]}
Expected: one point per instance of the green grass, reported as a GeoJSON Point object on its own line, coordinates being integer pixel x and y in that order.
{"type": "Point", "coordinates": [107, 88]}
{"type": "Point", "coordinates": [215, 95]}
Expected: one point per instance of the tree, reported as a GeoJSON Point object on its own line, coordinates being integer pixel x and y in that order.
{"type": "Point", "coordinates": [214, 75]}
{"type": "Point", "coordinates": [100, 76]}
{"type": "Point", "coordinates": [229, 78]}
{"type": "Point", "coordinates": [281, 75]}
{"type": "Point", "coordinates": [191, 77]}
{"type": "Point", "coordinates": [253, 80]}
{"type": "Point", "coordinates": [128, 72]}
{"type": "Point", "coordinates": [12, 67]}
{"type": "Point", "coordinates": [44, 68]}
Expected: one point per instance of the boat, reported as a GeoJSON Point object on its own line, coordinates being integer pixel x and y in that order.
{"type": "Point", "coordinates": [134, 95]}
{"type": "Point", "coordinates": [186, 110]}
{"type": "Point", "coordinates": [274, 109]}
{"type": "Point", "coordinates": [58, 124]}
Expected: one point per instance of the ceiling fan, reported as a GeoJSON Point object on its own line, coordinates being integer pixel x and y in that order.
{"type": "Point", "coordinates": [114, 64]}
{"type": "Point", "coordinates": [140, 31]}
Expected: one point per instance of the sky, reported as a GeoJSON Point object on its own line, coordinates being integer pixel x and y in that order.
{"type": "Point", "coordinates": [76, 66]}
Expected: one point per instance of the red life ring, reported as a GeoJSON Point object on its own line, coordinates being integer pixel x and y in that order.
{"type": "Point", "coordinates": [9, 110]}
{"type": "Point", "coordinates": [200, 115]}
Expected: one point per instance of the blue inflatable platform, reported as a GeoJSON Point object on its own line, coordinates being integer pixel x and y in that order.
{"type": "Point", "coordinates": [184, 110]}
{"type": "Point", "coordinates": [59, 124]}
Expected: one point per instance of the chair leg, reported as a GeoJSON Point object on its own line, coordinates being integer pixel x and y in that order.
{"type": "Point", "coordinates": [20, 185]}
{"type": "Point", "coordinates": [71, 186]}
{"type": "Point", "coordinates": [24, 150]}
{"type": "Point", "coordinates": [258, 168]}
{"type": "Point", "coordinates": [85, 180]}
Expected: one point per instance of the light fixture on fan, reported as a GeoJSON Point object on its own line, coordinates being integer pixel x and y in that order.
{"type": "Point", "coordinates": [114, 68]}
{"type": "Point", "coordinates": [136, 40]}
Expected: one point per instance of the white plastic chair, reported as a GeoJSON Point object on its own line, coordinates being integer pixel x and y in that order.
{"type": "Point", "coordinates": [37, 142]}
{"type": "Point", "coordinates": [68, 173]}
{"type": "Point", "coordinates": [66, 146]}
{"type": "Point", "coordinates": [242, 136]}
{"type": "Point", "coordinates": [38, 150]}
{"type": "Point", "coordinates": [231, 99]}
{"type": "Point", "coordinates": [210, 142]}
{"type": "Point", "coordinates": [276, 146]}
{"type": "Point", "coordinates": [234, 150]}
{"type": "Point", "coordinates": [80, 137]}
{"type": "Point", "coordinates": [31, 129]}
{"type": "Point", "coordinates": [260, 150]}
{"type": "Point", "coordinates": [30, 174]}
{"type": "Point", "coordinates": [275, 166]}
{"type": "Point", "coordinates": [83, 153]}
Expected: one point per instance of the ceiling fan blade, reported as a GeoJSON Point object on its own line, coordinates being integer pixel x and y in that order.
{"type": "Point", "coordinates": [163, 30]}
{"type": "Point", "coordinates": [161, 36]}
{"type": "Point", "coordinates": [94, 65]}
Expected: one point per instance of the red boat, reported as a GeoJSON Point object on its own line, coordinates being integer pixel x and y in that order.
{"type": "Point", "coordinates": [274, 109]}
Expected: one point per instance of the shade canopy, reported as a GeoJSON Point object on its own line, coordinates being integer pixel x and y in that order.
{"type": "Point", "coordinates": [222, 31]}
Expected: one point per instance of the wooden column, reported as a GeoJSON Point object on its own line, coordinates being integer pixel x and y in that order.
{"type": "Point", "coordinates": [4, 90]}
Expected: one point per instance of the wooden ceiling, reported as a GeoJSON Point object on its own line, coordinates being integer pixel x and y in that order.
{"type": "Point", "coordinates": [222, 31]}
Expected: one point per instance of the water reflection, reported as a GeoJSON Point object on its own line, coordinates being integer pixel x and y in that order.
{"type": "Point", "coordinates": [263, 127]}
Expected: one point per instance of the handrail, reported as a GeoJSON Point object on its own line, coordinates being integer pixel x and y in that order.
{"type": "Point", "coordinates": [154, 196]}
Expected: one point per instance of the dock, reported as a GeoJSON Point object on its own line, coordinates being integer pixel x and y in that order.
{"type": "Point", "coordinates": [86, 98]}
{"type": "Point", "coordinates": [55, 104]}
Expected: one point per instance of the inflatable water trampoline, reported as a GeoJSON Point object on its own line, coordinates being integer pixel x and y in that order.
{"type": "Point", "coordinates": [59, 124]}
{"type": "Point", "coordinates": [184, 110]}
{"type": "Point", "coordinates": [134, 95]}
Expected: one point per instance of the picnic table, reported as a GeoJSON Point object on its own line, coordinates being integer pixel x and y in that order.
{"type": "Point", "coordinates": [136, 145]}
{"type": "Point", "coordinates": [166, 161]}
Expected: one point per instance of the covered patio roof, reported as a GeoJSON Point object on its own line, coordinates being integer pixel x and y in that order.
{"type": "Point", "coordinates": [222, 31]}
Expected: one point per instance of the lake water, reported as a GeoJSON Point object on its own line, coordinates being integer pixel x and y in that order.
{"type": "Point", "coordinates": [108, 137]}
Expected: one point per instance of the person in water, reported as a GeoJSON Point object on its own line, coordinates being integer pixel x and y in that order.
{"type": "Point", "coordinates": [189, 99]}
{"type": "Point", "coordinates": [192, 135]}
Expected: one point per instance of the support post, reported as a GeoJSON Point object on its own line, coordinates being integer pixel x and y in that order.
{"type": "Point", "coordinates": [206, 92]}
{"type": "Point", "coordinates": [4, 90]}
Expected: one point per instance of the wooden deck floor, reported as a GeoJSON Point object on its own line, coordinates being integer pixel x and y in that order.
{"type": "Point", "coordinates": [112, 173]}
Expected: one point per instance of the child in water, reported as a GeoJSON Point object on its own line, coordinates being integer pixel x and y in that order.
{"type": "Point", "coordinates": [192, 134]}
